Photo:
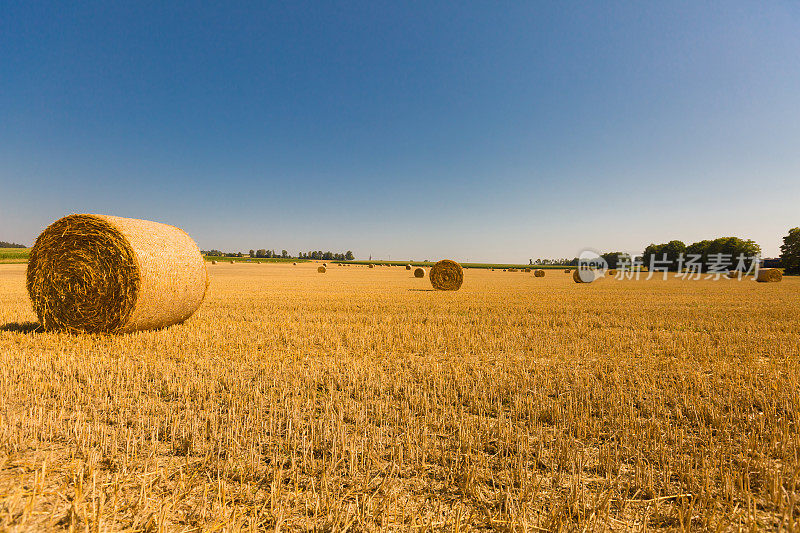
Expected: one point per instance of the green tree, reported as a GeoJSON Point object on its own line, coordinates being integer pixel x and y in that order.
{"type": "Point", "coordinates": [790, 252]}
{"type": "Point", "coordinates": [252, 253]}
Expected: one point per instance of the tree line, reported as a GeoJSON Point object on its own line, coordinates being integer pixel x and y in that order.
{"type": "Point", "coordinates": [4, 244]}
{"type": "Point", "coordinates": [284, 254]}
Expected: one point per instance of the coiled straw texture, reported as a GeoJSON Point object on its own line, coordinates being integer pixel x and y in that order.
{"type": "Point", "coordinates": [446, 275]}
{"type": "Point", "coordinates": [106, 274]}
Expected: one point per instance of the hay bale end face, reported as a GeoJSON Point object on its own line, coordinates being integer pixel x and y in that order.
{"type": "Point", "coordinates": [371, 265]}
{"type": "Point", "coordinates": [213, 262]}
{"type": "Point", "coordinates": [539, 273]}
{"type": "Point", "coordinates": [419, 272]}
{"type": "Point", "coordinates": [611, 272]}
{"type": "Point", "coordinates": [322, 269]}
{"type": "Point", "coordinates": [446, 275]}
{"type": "Point", "coordinates": [583, 275]}
{"type": "Point", "coordinates": [408, 267]}
{"type": "Point", "coordinates": [106, 274]}
{"type": "Point", "coordinates": [567, 271]}
{"type": "Point", "coordinates": [769, 275]}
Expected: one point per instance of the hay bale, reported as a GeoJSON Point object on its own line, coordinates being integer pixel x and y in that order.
{"type": "Point", "coordinates": [526, 269]}
{"type": "Point", "coordinates": [769, 275]}
{"type": "Point", "coordinates": [419, 272]}
{"type": "Point", "coordinates": [408, 267]}
{"type": "Point", "coordinates": [321, 269]}
{"type": "Point", "coordinates": [735, 274]}
{"type": "Point", "coordinates": [446, 275]}
{"type": "Point", "coordinates": [611, 272]}
{"type": "Point", "coordinates": [583, 275]}
{"type": "Point", "coordinates": [512, 269]}
{"type": "Point", "coordinates": [567, 271]}
{"type": "Point", "coordinates": [104, 274]}
{"type": "Point", "coordinates": [325, 265]}
{"type": "Point", "coordinates": [371, 265]}
{"type": "Point", "coordinates": [295, 264]}
{"type": "Point", "coordinates": [539, 273]}
{"type": "Point", "coordinates": [213, 262]}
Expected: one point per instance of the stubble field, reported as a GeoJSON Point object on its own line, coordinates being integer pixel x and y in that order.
{"type": "Point", "coordinates": [359, 399]}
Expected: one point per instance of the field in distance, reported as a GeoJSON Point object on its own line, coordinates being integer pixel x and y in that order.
{"type": "Point", "coordinates": [14, 255]}
{"type": "Point", "coordinates": [362, 399]}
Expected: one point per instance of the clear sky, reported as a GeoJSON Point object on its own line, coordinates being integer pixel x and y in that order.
{"type": "Point", "coordinates": [481, 131]}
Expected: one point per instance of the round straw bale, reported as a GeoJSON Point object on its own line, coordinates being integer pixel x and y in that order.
{"type": "Point", "coordinates": [526, 269]}
{"type": "Point", "coordinates": [321, 269]}
{"type": "Point", "coordinates": [419, 272]}
{"type": "Point", "coordinates": [408, 267]}
{"type": "Point", "coordinates": [539, 273]}
{"type": "Point", "coordinates": [104, 274]}
{"type": "Point", "coordinates": [446, 275]}
{"type": "Point", "coordinates": [567, 271]}
{"type": "Point", "coordinates": [611, 272]}
{"type": "Point", "coordinates": [512, 269]}
{"type": "Point", "coordinates": [213, 262]}
{"type": "Point", "coordinates": [295, 264]}
{"type": "Point", "coordinates": [325, 265]}
{"type": "Point", "coordinates": [734, 274]}
{"type": "Point", "coordinates": [769, 275]}
{"type": "Point", "coordinates": [371, 265]}
{"type": "Point", "coordinates": [583, 275]}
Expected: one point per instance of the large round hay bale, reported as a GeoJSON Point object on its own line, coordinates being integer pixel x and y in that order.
{"type": "Point", "coordinates": [446, 275]}
{"type": "Point", "coordinates": [322, 269]}
{"type": "Point", "coordinates": [408, 267]}
{"type": "Point", "coordinates": [769, 275]}
{"type": "Point", "coordinates": [104, 274]}
{"type": "Point", "coordinates": [419, 272]}
{"type": "Point", "coordinates": [539, 273]}
{"type": "Point", "coordinates": [583, 275]}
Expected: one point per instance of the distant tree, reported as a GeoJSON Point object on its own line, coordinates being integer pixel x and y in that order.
{"type": "Point", "coordinates": [349, 256]}
{"type": "Point", "coordinates": [790, 252]}
{"type": "Point", "coordinates": [612, 258]}
{"type": "Point", "coordinates": [284, 254]}
{"type": "Point", "coordinates": [4, 244]}
{"type": "Point", "coordinates": [252, 253]}
{"type": "Point", "coordinates": [656, 254]}
{"type": "Point", "coordinates": [240, 254]}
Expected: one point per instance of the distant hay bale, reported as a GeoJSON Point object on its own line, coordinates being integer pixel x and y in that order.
{"type": "Point", "coordinates": [512, 269]}
{"type": "Point", "coordinates": [769, 275]}
{"type": "Point", "coordinates": [419, 272]}
{"type": "Point", "coordinates": [734, 274]}
{"type": "Point", "coordinates": [213, 262]}
{"type": "Point", "coordinates": [583, 275]}
{"type": "Point", "coordinates": [408, 267]}
{"type": "Point", "coordinates": [526, 269]}
{"type": "Point", "coordinates": [371, 265]}
{"type": "Point", "coordinates": [295, 264]}
{"type": "Point", "coordinates": [539, 273]}
{"type": "Point", "coordinates": [567, 271]}
{"type": "Point", "coordinates": [446, 275]}
{"type": "Point", "coordinates": [106, 274]}
{"type": "Point", "coordinates": [325, 265]}
{"type": "Point", "coordinates": [232, 262]}
{"type": "Point", "coordinates": [611, 272]}
{"type": "Point", "coordinates": [321, 269]}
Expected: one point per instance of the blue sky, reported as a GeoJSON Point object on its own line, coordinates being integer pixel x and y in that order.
{"type": "Point", "coordinates": [481, 131]}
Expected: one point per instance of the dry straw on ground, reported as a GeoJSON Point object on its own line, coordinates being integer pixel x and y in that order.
{"type": "Point", "coordinates": [769, 275]}
{"type": "Point", "coordinates": [446, 275]}
{"type": "Point", "coordinates": [321, 269]}
{"type": "Point", "coordinates": [539, 273]}
{"type": "Point", "coordinates": [583, 275]}
{"type": "Point", "coordinates": [97, 273]}
{"type": "Point", "coordinates": [419, 272]}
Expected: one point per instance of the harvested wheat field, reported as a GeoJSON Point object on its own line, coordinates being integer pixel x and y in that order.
{"type": "Point", "coordinates": [361, 401]}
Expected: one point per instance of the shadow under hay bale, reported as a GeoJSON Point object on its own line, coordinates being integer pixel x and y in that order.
{"type": "Point", "coordinates": [446, 275]}
{"type": "Point", "coordinates": [106, 274]}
